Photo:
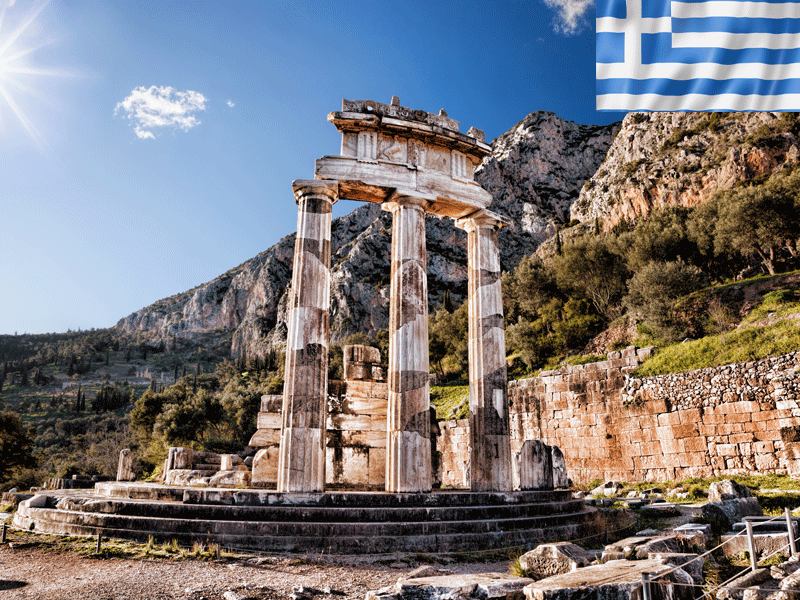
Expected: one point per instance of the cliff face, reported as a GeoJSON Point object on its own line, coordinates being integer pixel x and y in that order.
{"type": "Point", "coordinates": [660, 159]}
{"type": "Point", "coordinates": [535, 172]}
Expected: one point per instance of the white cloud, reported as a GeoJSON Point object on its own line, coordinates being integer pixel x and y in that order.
{"type": "Point", "coordinates": [569, 17]}
{"type": "Point", "coordinates": [161, 106]}
{"type": "Point", "coordinates": [230, 103]}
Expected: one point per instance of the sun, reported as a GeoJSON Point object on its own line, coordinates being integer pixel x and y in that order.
{"type": "Point", "coordinates": [18, 73]}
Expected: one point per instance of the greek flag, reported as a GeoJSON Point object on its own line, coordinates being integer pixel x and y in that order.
{"type": "Point", "coordinates": [697, 55]}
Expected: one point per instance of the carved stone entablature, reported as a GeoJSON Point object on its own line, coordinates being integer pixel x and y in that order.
{"type": "Point", "coordinates": [389, 150]}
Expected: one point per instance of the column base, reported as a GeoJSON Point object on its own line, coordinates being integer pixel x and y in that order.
{"type": "Point", "coordinates": [490, 471]}
{"type": "Point", "coordinates": [408, 462]}
{"type": "Point", "coordinates": [301, 465]}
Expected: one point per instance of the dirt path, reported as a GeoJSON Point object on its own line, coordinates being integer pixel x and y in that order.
{"type": "Point", "coordinates": [56, 575]}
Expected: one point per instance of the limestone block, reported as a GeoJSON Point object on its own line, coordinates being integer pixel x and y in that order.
{"type": "Point", "coordinates": [186, 476]}
{"type": "Point", "coordinates": [560, 479]}
{"type": "Point", "coordinates": [547, 560]}
{"type": "Point", "coordinates": [125, 466]}
{"type": "Point", "coordinates": [615, 580]}
{"type": "Point", "coordinates": [271, 403]}
{"type": "Point", "coordinates": [534, 466]}
{"type": "Point", "coordinates": [231, 479]}
{"type": "Point", "coordinates": [377, 467]}
{"type": "Point", "coordinates": [183, 458]}
{"type": "Point", "coordinates": [265, 467]}
{"type": "Point", "coordinates": [269, 420]}
{"type": "Point", "coordinates": [226, 462]}
{"type": "Point", "coordinates": [629, 547]}
{"type": "Point", "coordinates": [724, 514]}
{"type": "Point", "coordinates": [350, 422]}
{"type": "Point", "coordinates": [727, 490]}
{"type": "Point", "coordinates": [478, 586]}
{"type": "Point", "coordinates": [698, 534]}
{"type": "Point", "coordinates": [358, 361]}
{"type": "Point", "coordinates": [659, 544]}
{"type": "Point", "coordinates": [38, 501]}
{"type": "Point", "coordinates": [265, 437]}
{"type": "Point", "coordinates": [691, 563]}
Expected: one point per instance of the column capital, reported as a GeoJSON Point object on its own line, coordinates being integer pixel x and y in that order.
{"type": "Point", "coordinates": [316, 188]}
{"type": "Point", "coordinates": [398, 201]}
{"type": "Point", "coordinates": [482, 219]}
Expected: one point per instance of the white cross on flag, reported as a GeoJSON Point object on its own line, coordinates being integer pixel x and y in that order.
{"type": "Point", "coordinates": [696, 55]}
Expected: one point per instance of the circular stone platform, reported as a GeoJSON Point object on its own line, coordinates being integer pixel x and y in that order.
{"type": "Point", "coordinates": [331, 522]}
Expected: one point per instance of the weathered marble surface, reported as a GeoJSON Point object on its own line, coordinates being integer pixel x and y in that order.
{"type": "Point", "coordinates": [490, 447]}
{"type": "Point", "coordinates": [125, 466]}
{"type": "Point", "coordinates": [301, 465]}
{"type": "Point", "coordinates": [408, 456]}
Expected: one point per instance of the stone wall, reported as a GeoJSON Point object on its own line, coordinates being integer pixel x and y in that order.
{"type": "Point", "coordinates": [741, 418]}
{"type": "Point", "coordinates": [453, 444]}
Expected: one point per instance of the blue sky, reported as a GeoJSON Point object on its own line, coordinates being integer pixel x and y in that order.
{"type": "Point", "coordinates": [147, 147]}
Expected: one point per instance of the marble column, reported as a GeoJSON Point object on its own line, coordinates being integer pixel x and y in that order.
{"type": "Point", "coordinates": [301, 459]}
{"type": "Point", "coordinates": [408, 444]}
{"type": "Point", "coordinates": [490, 449]}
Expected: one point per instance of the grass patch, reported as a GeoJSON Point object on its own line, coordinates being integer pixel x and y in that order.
{"type": "Point", "coordinates": [114, 548]}
{"type": "Point", "coordinates": [738, 346]}
{"type": "Point", "coordinates": [446, 398]}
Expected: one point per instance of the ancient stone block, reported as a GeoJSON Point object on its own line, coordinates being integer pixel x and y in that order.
{"type": "Point", "coordinates": [534, 466]}
{"type": "Point", "coordinates": [478, 586]}
{"type": "Point", "coordinates": [231, 479]}
{"type": "Point", "coordinates": [183, 458]}
{"type": "Point", "coordinates": [547, 560]}
{"type": "Point", "coordinates": [265, 437]}
{"type": "Point", "coordinates": [271, 403]}
{"type": "Point", "coordinates": [727, 490]}
{"type": "Point", "coordinates": [617, 580]}
{"type": "Point", "coordinates": [560, 479]}
{"type": "Point", "coordinates": [125, 466]}
{"type": "Point", "coordinates": [269, 420]}
{"type": "Point", "coordinates": [265, 467]}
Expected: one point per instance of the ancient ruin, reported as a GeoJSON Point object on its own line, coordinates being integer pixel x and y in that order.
{"type": "Point", "coordinates": [322, 445]}
{"type": "Point", "coordinates": [411, 162]}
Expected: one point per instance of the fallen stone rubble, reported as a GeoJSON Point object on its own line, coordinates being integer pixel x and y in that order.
{"type": "Point", "coordinates": [674, 562]}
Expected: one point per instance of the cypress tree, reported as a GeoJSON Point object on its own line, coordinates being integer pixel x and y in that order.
{"type": "Point", "coordinates": [558, 242]}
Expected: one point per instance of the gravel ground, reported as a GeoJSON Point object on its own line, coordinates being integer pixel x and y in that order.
{"type": "Point", "coordinates": [48, 575]}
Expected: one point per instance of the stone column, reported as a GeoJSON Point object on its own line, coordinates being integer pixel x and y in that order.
{"type": "Point", "coordinates": [490, 448]}
{"type": "Point", "coordinates": [301, 460]}
{"type": "Point", "coordinates": [408, 444]}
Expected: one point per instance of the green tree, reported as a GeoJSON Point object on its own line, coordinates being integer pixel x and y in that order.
{"type": "Point", "coordinates": [653, 290]}
{"type": "Point", "coordinates": [590, 268]}
{"type": "Point", "coordinates": [448, 341]}
{"type": "Point", "coordinates": [16, 445]}
{"type": "Point", "coordinates": [759, 221]}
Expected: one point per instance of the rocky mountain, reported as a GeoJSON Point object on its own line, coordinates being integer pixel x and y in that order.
{"type": "Point", "coordinates": [658, 159]}
{"type": "Point", "coordinates": [535, 172]}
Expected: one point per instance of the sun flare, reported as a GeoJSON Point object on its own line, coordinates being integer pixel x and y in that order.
{"type": "Point", "coordinates": [18, 71]}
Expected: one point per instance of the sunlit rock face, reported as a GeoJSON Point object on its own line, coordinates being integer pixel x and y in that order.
{"type": "Point", "coordinates": [662, 159]}
{"type": "Point", "coordinates": [535, 171]}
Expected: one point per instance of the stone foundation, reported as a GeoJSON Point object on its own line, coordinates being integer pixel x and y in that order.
{"type": "Point", "coordinates": [742, 418]}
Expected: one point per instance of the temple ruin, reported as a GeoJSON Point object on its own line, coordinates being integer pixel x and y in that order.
{"type": "Point", "coordinates": [411, 162]}
{"type": "Point", "coordinates": [375, 430]}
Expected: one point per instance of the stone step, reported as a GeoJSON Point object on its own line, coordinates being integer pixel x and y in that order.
{"type": "Point", "coordinates": [304, 529]}
{"type": "Point", "coordinates": [332, 514]}
{"type": "Point", "coordinates": [372, 499]}
{"type": "Point", "coordinates": [244, 535]}
{"type": "Point", "coordinates": [208, 466]}
{"type": "Point", "coordinates": [255, 497]}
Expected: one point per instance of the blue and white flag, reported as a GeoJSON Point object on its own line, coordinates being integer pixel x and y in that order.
{"type": "Point", "coordinates": [696, 55]}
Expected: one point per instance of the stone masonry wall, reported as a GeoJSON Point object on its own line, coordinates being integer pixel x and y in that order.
{"type": "Point", "coordinates": [742, 418]}
{"type": "Point", "coordinates": [453, 443]}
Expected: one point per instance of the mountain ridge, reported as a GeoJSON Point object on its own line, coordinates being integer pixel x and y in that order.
{"type": "Point", "coordinates": [535, 172]}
